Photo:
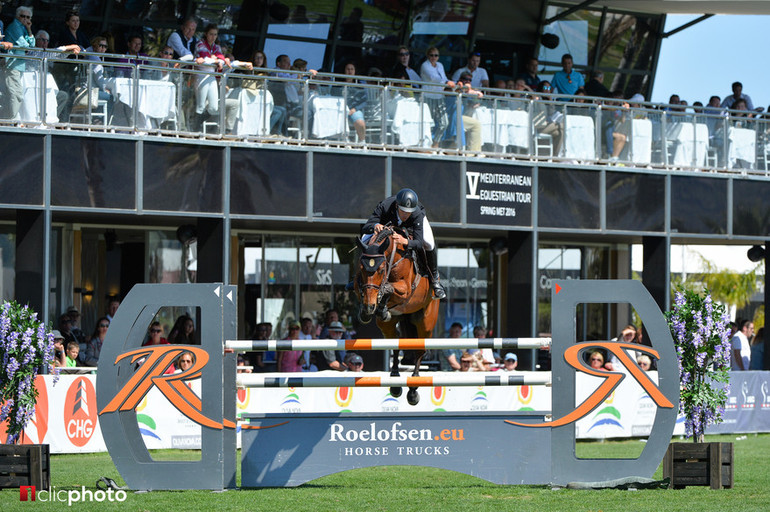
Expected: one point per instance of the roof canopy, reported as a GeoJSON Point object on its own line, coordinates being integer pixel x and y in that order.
{"type": "Point", "coordinates": [684, 6]}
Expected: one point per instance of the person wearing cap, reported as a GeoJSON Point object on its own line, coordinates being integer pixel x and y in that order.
{"type": "Point", "coordinates": [291, 360]}
{"type": "Point", "coordinates": [74, 315]}
{"type": "Point", "coordinates": [59, 360]}
{"type": "Point", "coordinates": [331, 359]}
{"type": "Point", "coordinates": [510, 362]}
{"type": "Point", "coordinates": [479, 76]}
{"type": "Point", "coordinates": [355, 363]}
{"type": "Point", "coordinates": [404, 210]}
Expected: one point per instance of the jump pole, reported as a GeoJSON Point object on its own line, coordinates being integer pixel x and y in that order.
{"type": "Point", "coordinates": [389, 344]}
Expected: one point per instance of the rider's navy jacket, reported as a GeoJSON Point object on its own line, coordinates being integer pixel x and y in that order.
{"type": "Point", "coordinates": [387, 212]}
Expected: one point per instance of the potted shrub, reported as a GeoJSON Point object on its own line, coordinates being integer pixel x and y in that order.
{"type": "Point", "coordinates": [26, 349]}
{"type": "Point", "coordinates": [701, 333]}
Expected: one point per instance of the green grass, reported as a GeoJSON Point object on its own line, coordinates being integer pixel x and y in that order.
{"type": "Point", "coordinates": [425, 489]}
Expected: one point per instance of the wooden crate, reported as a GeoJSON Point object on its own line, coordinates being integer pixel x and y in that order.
{"type": "Point", "coordinates": [699, 464]}
{"type": "Point", "coordinates": [25, 464]}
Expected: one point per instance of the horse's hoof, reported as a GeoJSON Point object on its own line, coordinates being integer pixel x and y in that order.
{"type": "Point", "coordinates": [395, 392]}
{"type": "Point", "coordinates": [385, 316]}
{"type": "Point", "coordinates": [413, 397]}
{"type": "Point", "coordinates": [364, 318]}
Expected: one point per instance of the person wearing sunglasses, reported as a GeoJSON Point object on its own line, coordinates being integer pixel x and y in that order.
{"type": "Point", "coordinates": [401, 70]}
{"type": "Point", "coordinates": [19, 34]}
{"type": "Point", "coordinates": [479, 76]}
{"type": "Point", "coordinates": [95, 343]}
{"type": "Point", "coordinates": [433, 71]}
{"type": "Point", "coordinates": [155, 335]}
{"type": "Point", "coordinates": [567, 81]}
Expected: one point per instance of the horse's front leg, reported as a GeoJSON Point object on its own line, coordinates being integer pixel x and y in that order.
{"type": "Point", "coordinates": [395, 392]}
{"type": "Point", "coordinates": [413, 397]}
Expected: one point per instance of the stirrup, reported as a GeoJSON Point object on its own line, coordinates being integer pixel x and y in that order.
{"type": "Point", "coordinates": [438, 290]}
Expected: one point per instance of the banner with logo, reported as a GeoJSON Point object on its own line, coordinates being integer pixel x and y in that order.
{"type": "Point", "coordinates": [65, 416]}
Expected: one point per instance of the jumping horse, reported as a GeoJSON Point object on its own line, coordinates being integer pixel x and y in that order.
{"type": "Point", "coordinates": [390, 286]}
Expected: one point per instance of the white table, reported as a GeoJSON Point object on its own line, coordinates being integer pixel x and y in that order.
{"type": "Point", "coordinates": [579, 137]}
{"type": "Point", "coordinates": [687, 137]}
{"type": "Point", "coordinates": [156, 99]}
{"type": "Point", "coordinates": [641, 141]}
{"type": "Point", "coordinates": [30, 109]}
{"type": "Point", "coordinates": [330, 117]}
{"type": "Point", "coordinates": [742, 144]}
{"type": "Point", "coordinates": [511, 128]}
{"type": "Point", "coordinates": [411, 128]}
{"type": "Point", "coordinates": [254, 110]}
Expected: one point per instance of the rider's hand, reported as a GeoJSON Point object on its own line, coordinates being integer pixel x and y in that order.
{"type": "Point", "coordinates": [378, 228]}
{"type": "Point", "coordinates": [400, 239]}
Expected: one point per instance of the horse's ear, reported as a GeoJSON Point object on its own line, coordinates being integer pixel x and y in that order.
{"type": "Point", "coordinates": [384, 246]}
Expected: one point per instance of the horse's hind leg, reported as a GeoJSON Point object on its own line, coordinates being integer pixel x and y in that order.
{"type": "Point", "coordinates": [395, 392]}
{"type": "Point", "coordinates": [413, 397]}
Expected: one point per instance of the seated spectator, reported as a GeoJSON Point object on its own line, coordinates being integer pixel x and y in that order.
{"type": "Point", "coordinates": [479, 76]}
{"type": "Point", "coordinates": [74, 315]}
{"type": "Point", "coordinates": [65, 329]}
{"type": "Point", "coordinates": [331, 359]}
{"type": "Point", "coordinates": [183, 332]}
{"type": "Point", "coordinates": [402, 70]}
{"type": "Point", "coordinates": [529, 75]}
{"type": "Point", "coordinates": [94, 345]}
{"type": "Point", "coordinates": [133, 53]}
{"type": "Point", "coordinates": [620, 125]}
{"type": "Point", "coordinates": [567, 81]}
{"type": "Point", "coordinates": [466, 362]}
{"type": "Point", "coordinates": [186, 359]}
{"type": "Point", "coordinates": [596, 360]}
{"type": "Point", "coordinates": [73, 350]}
{"type": "Point", "coordinates": [167, 54]}
{"type": "Point", "coordinates": [155, 335]}
{"type": "Point", "coordinates": [355, 102]}
{"type": "Point", "coordinates": [546, 119]}
{"type": "Point", "coordinates": [644, 362]}
{"type": "Point", "coordinates": [41, 41]}
{"type": "Point", "coordinates": [263, 361]}
{"type": "Point", "coordinates": [510, 362]}
{"type": "Point", "coordinates": [242, 364]}
{"type": "Point", "coordinates": [729, 101]}
{"type": "Point", "coordinates": [499, 84]}
{"type": "Point", "coordinates": [72, 35]}
{"type": "Point", "coordinates": [209, 57]}
{"type": "Point", "coordinates": [291, 360]}
{"type": "Point", "coordinates": [59, 356]}
{"type": "Point", "coordinates": [595, 87]}
{"type": "Point", "coordinates": [354, 362]}
{"type": "Point", "coordinates": [449, 359]}
{"type": "Point", "coordinates": [279, 115]}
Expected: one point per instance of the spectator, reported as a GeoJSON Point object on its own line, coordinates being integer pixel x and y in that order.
{"type": "Point", "coordinates": [479, 76]}
{"type": "Point", "coordinates": [331, 316]}
{"type": "Point", "coordinates": [307, 332]}
{"type": "Point", "coordinates": [42, 40]}
{"type": "Point", "coordinates": [547, 119]}
{"type": "Point", "coordinates": [72, 35]}
{"type": "Point", "coordinates": [19, 34]}
{"type": "Point", "coordinates": [449, 359]}
{"type": "Point", "coordinates": [471, 125]}
{"type": "Point", "coordinates": [510, 362]}
{"type": "Point", "coordinates": [354, 362]}
{"type": "Point", "coordinates": [466, 362]}
{"type": "Point", "coordinates": [114, 303]}
{"type": "Point", "coordinates": [94, 345]}
{"type": "Point", "coordinates": [401, 70]}
{"type": "Point", "coordinates": [596, 360]}
{"type": "Point", "coordinates": [644, 362]}
{"type": "Point", "coordinates": [729, 101]}
{"type": "Point", "coordinates": [242, 364]}
{"type": "Point", "coordinates": [133, 52]}
{"type": "Point", "coordinates": [490, 355]}
{"type": "Point", "coordinates": [183, 40]}
{"type": "Point", "coordinates": [619, 128]}
{"type": "Point", "coordinates": [73, 350]}
{"type": "Point", "coordinates": [758, 350]}
{"type": "Point", "coordinates": [291, 360]}
{"type": "Point", "coordinates": [356, 101]}
{"type": "Point", "coordinates": [595, 87]}
{"type": "Point", "coordinates": [185, 361]}
{"type": "Point", "coordinates": [741, 353]}
{"type": "Point", "coordinates": [65, 329]}
{"type": "Point", "coordinates": [209, 57]}
{"type": "Point", "coordinates": [74, 315]}
{"type": "Point", "coordinates": [529, 75]}
{"type": "Point", "coordinates": [167, 54]}
{"type": "Point", "coordinates": [183, 331]}
{"type": "Point", "coordinates": [155, 335]}
{"type": "Point", "coordinates": [567, 81]}
{"type": "Point", "coordinates": [433, 71]}
{"type": "Point", "coordinates": [278, 117]}
{"type": "Point", "coordinates": [332, 359]}
{"type": "Point", "coordinates": [263, 361]}
{"type": "Point", "coordinates": [59, 357]}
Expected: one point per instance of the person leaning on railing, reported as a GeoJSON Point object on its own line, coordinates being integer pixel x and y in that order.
{"type": "Point", "coordinates": [209, 57]}
{"type": "Point", "coordinates": [19, 34]}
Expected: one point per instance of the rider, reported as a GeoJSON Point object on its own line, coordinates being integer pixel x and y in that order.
{"type": "Point", "coordinates": [405, 210]}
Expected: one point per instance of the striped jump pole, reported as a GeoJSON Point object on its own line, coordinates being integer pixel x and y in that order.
{"type": "Point", "coordinates": [383, 379]}
{"type": "Point", "coordinates": [389, 344]}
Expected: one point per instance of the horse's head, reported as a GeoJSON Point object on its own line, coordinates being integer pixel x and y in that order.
{"type": "Point", "coordinates": [372, 270]}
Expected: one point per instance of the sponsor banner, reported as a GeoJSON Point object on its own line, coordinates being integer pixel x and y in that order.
{"type": "Point", "coordinates": [65, 417]}
{"type": "Point", "coordinates": [498, 194]}
{"type": "Point", "coordinates": [291, 449]}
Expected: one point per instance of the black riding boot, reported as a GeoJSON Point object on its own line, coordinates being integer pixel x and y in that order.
{"type": "Point", "coordinates": [435, 280]}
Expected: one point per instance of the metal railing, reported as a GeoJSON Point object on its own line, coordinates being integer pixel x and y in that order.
{"type": "Point", "coordinates": [185, 99]}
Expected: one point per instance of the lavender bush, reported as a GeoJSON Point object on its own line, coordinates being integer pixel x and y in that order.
{"type": "Point", "coordinates": [26, 347]}
{"type": "Point", "coordinates": [702, 339]}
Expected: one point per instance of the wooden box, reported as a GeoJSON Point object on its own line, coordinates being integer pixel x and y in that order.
{"type": "Point", "coordinates": [25, 464]}
{"type": "Point", "coordinates": [699, 464]}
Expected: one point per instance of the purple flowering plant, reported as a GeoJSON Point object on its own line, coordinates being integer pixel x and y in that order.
{"type": "Point", "coordinates": [26, 349]}
{"type": "Point", "coordinates": [701, 332]}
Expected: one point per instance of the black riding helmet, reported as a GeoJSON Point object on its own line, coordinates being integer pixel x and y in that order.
{"type": "Point", "coordinates": [407, 200]}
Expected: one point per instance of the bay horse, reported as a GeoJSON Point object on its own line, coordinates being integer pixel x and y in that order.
{"type": "Point", "coordinates": [389, 286]}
